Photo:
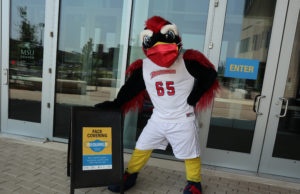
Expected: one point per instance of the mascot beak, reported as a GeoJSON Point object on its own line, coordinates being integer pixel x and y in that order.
{"type": "Point", "coordinates": [163, 43]}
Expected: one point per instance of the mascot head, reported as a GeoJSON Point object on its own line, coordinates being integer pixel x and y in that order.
{"type": "Point", "coordinates": [161, 41]}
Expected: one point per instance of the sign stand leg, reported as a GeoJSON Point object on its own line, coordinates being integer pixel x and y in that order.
{"type": "Point", "coordinates": [69, 155]}
{"type": "Point", "coordinates": [72, 190]}
{"type": "Point", "coordinates": [122, 185]}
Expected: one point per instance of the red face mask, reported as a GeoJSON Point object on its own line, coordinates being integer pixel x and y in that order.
{"type": "Point", "coordinates": [163, 55]}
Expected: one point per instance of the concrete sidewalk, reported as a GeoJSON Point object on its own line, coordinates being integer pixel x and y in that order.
{"type": "Point", "coordinates": [28, 167]}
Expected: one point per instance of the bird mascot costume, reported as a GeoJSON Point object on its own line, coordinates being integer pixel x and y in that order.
{"type": "Point", "coordinates": [179, 84]}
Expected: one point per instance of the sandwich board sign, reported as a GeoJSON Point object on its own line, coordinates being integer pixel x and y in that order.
{"type": "Point", "coordinates": [95, 148]}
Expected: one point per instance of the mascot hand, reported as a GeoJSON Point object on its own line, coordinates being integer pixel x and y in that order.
{"type": "Point", "coordinates": [107, 105]}
{"type": "Point", "coordinates": [195, 95]}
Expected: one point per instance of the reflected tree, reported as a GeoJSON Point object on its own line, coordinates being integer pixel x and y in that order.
{"type": "Point", "coordinates": [87, 60]}
{"type": "Point", "coordinates": [27, 30]}
{"type": "Point", "coordinates": [29, 48]}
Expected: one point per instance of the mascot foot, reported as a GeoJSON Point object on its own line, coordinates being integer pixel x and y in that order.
{"type": "Point", "coordinates": [193, 188]}
{"type": "Point", "coordinates": [129, 181]}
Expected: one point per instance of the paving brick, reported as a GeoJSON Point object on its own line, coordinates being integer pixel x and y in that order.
{"type": "Point", "coordinates": [9, 185]}
{"type": "Point", "coordinates": [94, 191]}
{"type": "Point", "coordinates": [82, 191]}
{"type": "Point", "coordinates": [60, 182]}
{"type": "Point", "coordinates": [43, 177]}
{"type": "Point", "coordinates": [6, 178]}
{"type": "Point", "coordinates": [209, 190]}
{"type": "Point", "coordinates": [28, 185]}
{"type": "Point", "coordinates": [295, 192]}
{"type": "Point", "coordinates": [61, 189]}
{"type": "Point", "coordinates": [45, 183]}
{"type": "Point", "coordinates": [136, 190]}
{"type": "Point", "coordinates": [4, 191]}
{"type": "Point", "coordinates": [28, 177]}
{"type": "Point", "coordinates": [14, 173]}
{"type": "Point", "coordinates": [23, 190]}
{"type": "Point", "coordinates": [275, 189]}
{"type": "Point", "coordinates": [43, 190]}
{"type": "Point", "coordinates": [241, 189]}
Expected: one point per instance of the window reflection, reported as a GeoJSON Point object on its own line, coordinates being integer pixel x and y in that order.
{"type": "Point", "coordinates": [190, 18]}
{"type": "Point", "coordinates": [246, 35]}
{"type": "Point", "coordinates": [87, 56]}
{"type": "Point", "coordinates": [26, 59]}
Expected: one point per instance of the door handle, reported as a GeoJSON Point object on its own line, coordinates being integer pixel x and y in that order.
{"type": "Point", "coordinates": [285, 107]}
{"type": "Point", "coordinates": [255, 108]}
{"type": "Point", "coordinates": [5, 76]}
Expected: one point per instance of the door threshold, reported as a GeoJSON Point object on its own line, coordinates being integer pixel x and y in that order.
{"type": "Point", "coordinates": [252, 176]}
{"type": "Point", "coordinates": [24, 138]}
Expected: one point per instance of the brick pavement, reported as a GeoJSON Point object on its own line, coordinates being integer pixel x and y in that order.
{"type": "Point", "coordinates": [29, 168]}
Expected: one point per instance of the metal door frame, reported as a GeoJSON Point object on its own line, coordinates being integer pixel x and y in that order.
{"type": "Point", "coordinates": [269, 164]}
{"type": "Point", "coordinates": [25, 128]}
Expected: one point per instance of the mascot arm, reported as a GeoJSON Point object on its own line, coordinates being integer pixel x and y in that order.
{"type": "Point", "coordinates": [131, 94]}
{"type": "Point", "coordinates": [204, 79]}
{"type": "Point", "coordinates": [132, 87]}
{"type": "Point", "coordinates": [205, 76]}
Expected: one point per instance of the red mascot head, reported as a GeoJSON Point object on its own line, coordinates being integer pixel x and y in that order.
{"type": "Point", "coordinates": [161, 42]}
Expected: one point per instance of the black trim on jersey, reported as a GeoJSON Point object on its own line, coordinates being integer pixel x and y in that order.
{"type": "Point", "coordinates": [204, 79]}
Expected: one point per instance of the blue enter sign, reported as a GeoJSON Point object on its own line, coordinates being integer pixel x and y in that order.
{"type": "Point", "coordinates": [241, 68]}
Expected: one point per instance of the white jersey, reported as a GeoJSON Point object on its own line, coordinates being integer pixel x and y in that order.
{"type": "Point", "coordinates": [169, 89]}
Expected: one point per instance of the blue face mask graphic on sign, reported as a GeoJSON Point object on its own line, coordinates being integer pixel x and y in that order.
{"type": "Point", "coordinates": [97, 145]}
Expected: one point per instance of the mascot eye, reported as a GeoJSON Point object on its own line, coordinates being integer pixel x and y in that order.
{"type": "Point", "coordinates": [170, 35]}
{"type": "Point", "coordinates": [146, 37]}
{"type": "Point", "coordinates": [147, 40]}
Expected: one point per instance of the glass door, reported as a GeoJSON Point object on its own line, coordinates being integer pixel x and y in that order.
{"type": "Point", "coordinates": [233, 130]}
{"type": "Point", "coordinates": [26, 69]}
{"type": "Point", "coordinates": [92, 46]}
{"type": "Point", "coordinates": [281, 153]}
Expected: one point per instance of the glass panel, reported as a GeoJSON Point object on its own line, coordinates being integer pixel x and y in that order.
{"type": "Point", "coordinates": [246, 35]}
{"type": "Point", "coordinates": [87, 56]}
{"type": "Point", "coordinates": [27, 21]}
{"type": "Point", "coordinates": [288, 135]}
{"type": "Point", "coordinates": [190, 16]}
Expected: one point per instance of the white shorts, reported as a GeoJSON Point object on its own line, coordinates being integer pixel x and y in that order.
{"type": "Point", "coordinates": [183, 138]}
